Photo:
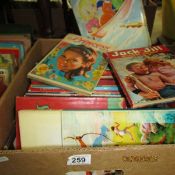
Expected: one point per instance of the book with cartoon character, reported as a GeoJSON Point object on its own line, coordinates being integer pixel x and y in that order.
{"type": "Point", "coordinates": [146, 75]}
{"type": "Point", "coordinates": [96, 128]}
{"type": "Point", "coordinates": [76, 63]}
{"type": "Point", "coordinates": [120, 23]}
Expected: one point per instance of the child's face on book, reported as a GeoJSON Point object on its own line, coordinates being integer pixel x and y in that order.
{"type": "Point", "coordinates": [70, 60]}
{"type": "Point", "coordinates": [139, 68]}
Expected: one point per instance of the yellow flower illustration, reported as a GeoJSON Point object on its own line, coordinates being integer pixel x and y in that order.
{"type": "Point", "coordinates": [42, 69]}
{"type": "Point", "coordinates": [96, 74]}
{"type": "Point", "coordinates": [88, 85]}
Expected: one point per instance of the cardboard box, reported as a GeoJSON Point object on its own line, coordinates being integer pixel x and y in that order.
{"type": "Point", "coordinates": [132, 160]}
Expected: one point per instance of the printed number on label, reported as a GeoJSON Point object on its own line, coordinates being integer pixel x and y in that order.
{"type": "Point", "coordinates": [84, 159]}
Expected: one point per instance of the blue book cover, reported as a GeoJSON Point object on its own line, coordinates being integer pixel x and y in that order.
{"type": "Point", "coordinates": [76, 63]}
{"type": "Point", "coordinates": [120, 23]}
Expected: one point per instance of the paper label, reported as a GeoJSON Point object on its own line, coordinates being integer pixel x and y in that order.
{"type": "Point", "coordinates": [82, 159]}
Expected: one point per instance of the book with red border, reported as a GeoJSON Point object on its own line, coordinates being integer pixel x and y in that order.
{"type": "Point", "coordinates": [134, 89]}
{"type": "Point", "coordinates": [66, 103]}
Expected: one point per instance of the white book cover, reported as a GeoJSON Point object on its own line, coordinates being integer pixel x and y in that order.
{"type": "Point", "coordinates": [40, 128]}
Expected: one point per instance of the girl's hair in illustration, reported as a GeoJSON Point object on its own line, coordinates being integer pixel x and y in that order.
{"type": "Point", "coordinates": [89, 57]}
{"type": "Point", "coordinates": [84, 51]}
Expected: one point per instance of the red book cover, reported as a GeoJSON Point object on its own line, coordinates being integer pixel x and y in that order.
{"type": "Point", "coordinates": [13, 51]}
{"type": "Point", "coordinates": [76, 103]}
{"type": "Point", "coordinates": [146, 75]}
{"type": "Point", "coordinates": [105, 87]}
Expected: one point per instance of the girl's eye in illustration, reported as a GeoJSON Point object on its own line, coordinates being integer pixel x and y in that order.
{"type": "Point", "coordinates": [74, 60]}
{"type": "Point", "coordinates": [62, 56]}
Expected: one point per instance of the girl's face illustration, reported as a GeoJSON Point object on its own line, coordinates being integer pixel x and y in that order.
{"type": "Point", "coordinates": [70, 60]}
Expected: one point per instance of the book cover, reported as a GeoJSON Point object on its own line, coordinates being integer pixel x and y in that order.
{"type": "Point", "coordinates": [14, 45]}
{"type": "Point", "coordinates": [18, 38]}
{"type": "Point", "coordinates": [95, 128]}
{"type": "Point", "coordinates": [117, 127]}
{"type": "Point", "coordinates": [12, 51]}
{"type": "Point", "coordinates": [105, 88]}
{"type": "Point", "coordinates": [74, 103]}
{"type": "Point", "coordinates": [76, 63]}
{"type": "Point", "coordinates": [146, 75]}
{"type": "Point", "coordinates": [66, 103]}
{"type": "Point", "coordinates": [119, 23]}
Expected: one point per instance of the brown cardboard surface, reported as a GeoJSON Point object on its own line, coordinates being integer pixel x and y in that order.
{"type": "Point", "coordinates": [133, 160]}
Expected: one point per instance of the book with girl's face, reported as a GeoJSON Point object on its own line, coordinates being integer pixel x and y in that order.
{"type": "Point", "coordinates": [146, 75]}
{"type": "Point", "coordinates": [120, 23]}
{"type": "Point", "coordinates": [76, 63]}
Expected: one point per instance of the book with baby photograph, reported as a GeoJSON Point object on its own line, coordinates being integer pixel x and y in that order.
{"type": "Point", "coordinates": [76, 63]}
{"type": "Point", "coordinates": [120, 23]}
{"type": "Point", "coordinates": [146, 75]}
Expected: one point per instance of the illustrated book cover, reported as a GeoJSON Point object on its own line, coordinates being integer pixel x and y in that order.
{"type": "Point", "coordinates": [14, 45]}
{"type": "Point", "coordinates": [76, 63]}
{"type": "Point", "coordinates": [65, 103]}
{"type": "Point", "coordinates": [146, 75]}
{"type": "Point", "coordinates": [96, 128]}
{"type": "Point", "coordinates": [24, 39]}
{"type": "Point", "coordinates": [119, 23]}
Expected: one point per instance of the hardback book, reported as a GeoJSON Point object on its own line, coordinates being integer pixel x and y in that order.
{"type": "Point", "coordinates": [120, 23]}
{"type": "Point", "coordinates": [69, 103]}
{"type": "Point", "coordinates": [104, 87]}
{"type": "Point", "coordinates": [15, 52]}
{"type": "Point", "coordinates": [76, 63]}
{"type": "Point", "coordinates": [95, 128]}
{"type": "Point", "coordinates": [14, 45]}
{"type": "Point", "coordinates": [65, 103]}
{"type": "Point", "coordinates": [19, 38]}
{"type": "Point", "coordinates": [53, 89]}
{"type": "Point", "coordinates": [146, 75]}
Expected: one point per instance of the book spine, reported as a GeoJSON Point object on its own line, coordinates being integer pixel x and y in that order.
{"type": "Point", "coordinates": [69, 103]}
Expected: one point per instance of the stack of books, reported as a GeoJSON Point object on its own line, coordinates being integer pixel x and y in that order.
{"type": "Point", "coordinates": [13, 49]}
{"type": "Point", "coordinates": [79, 90]}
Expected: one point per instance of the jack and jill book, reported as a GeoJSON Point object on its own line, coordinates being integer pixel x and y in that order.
{"type": "Point", "coordinates": [146, 75]}
{"type": "Point", "coordinates": [76, 63]}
